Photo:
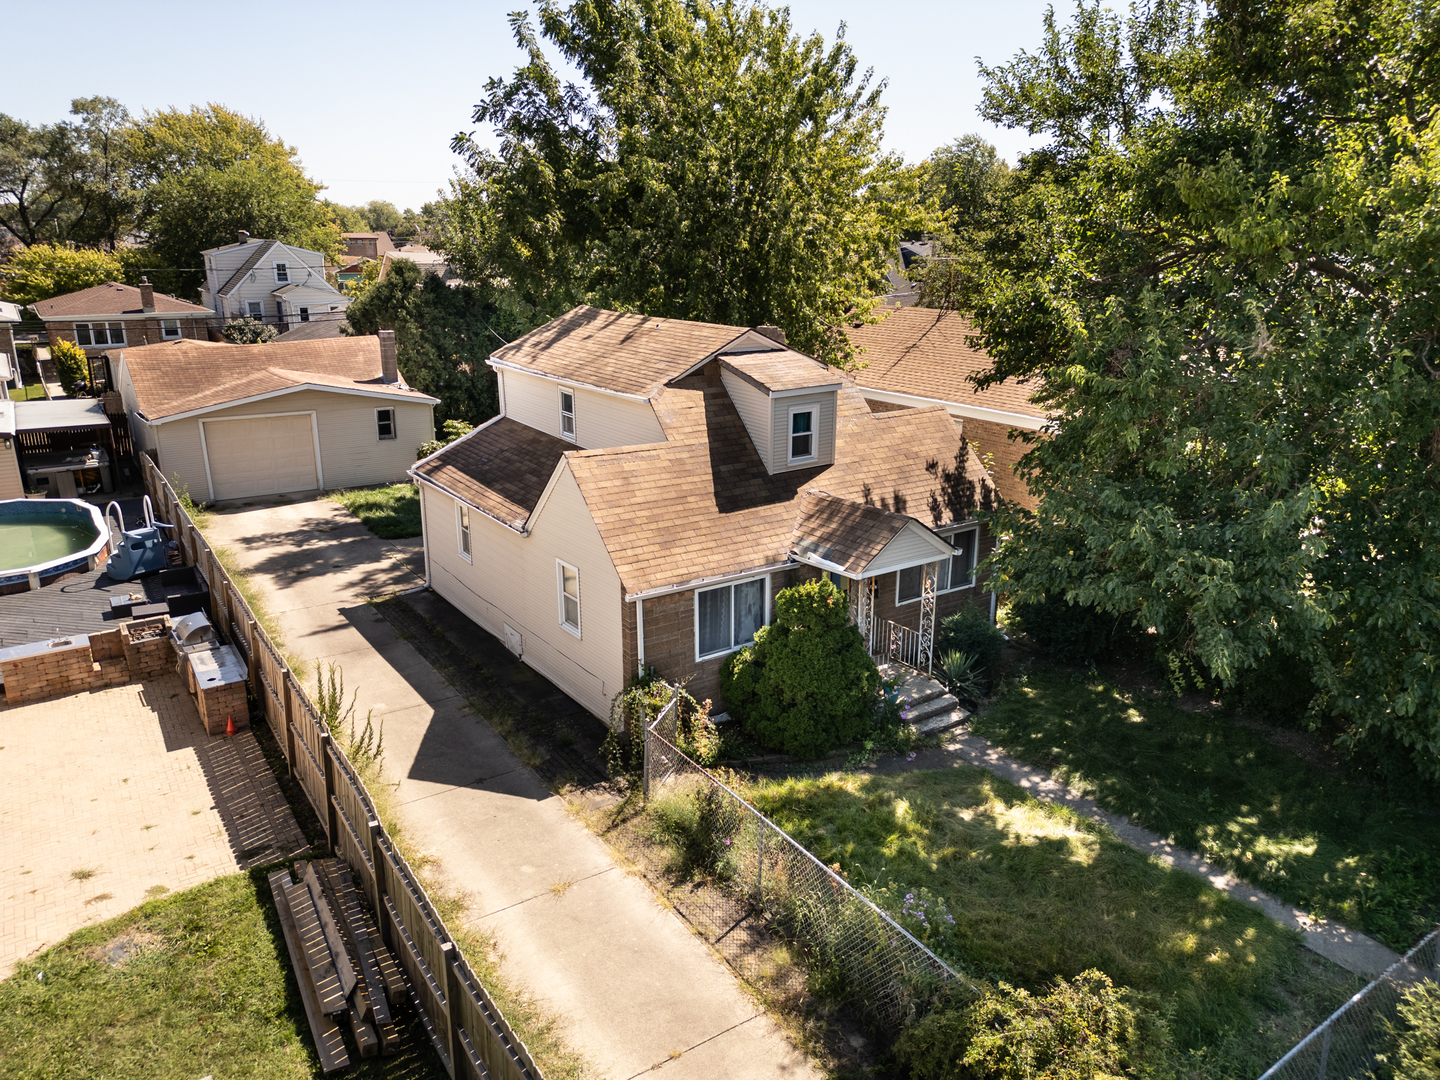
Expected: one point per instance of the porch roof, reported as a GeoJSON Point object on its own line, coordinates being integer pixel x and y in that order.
{"type": "Point", "coordinates": [854, 538]}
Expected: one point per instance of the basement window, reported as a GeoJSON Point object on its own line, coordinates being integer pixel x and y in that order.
{"type": "Point", "coordinates": [385, 423]}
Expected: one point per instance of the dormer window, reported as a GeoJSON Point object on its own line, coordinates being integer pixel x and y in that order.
{"type": "Point", "coordinates": [802, 435]}
{"type": "Point", "coordinates": [567, 414]}
{"type": "Point", "coordinates": [282, 273]}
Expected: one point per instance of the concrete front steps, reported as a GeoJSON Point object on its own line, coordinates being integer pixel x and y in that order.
{"type": "Point", "coordinates": [926, 705]}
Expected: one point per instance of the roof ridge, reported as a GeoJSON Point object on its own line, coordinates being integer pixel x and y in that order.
{"type": "Point", "coordinates": [245, 267]}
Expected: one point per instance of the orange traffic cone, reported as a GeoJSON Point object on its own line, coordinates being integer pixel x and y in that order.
{"type": "Point", "coordinates": [230, 727]}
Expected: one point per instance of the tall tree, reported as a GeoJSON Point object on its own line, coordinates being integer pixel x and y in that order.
{"type": "Point", "coordinates": [1221, 270]}
{"type": "Point", "coordinates": [967, 182]}
{"type": "Point", "coordinates": [211, 171]}
{"type": "Point", "coordinates": [443, 335]}
{"type": "Point", "coordinates": [714, 166]}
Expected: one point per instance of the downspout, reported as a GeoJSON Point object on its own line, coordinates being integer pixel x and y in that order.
{"type": "Point", "coordinates": [994, 600]}
{"type": "Point", "coordinates": [425, 533]}
{"type": "Point", "coordinates": [640, 637]}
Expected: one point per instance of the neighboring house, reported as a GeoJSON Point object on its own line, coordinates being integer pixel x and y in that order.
{"type": "Point", "coordinates": [329, 325]}
{"type": "Point", "coordinates": [919, 357]}
{"type": "Point", "coordinates": [112, 314]}
{"type": "Point", "coordinates": [237, 421]}
{"type": "Point", "coordinates": [429, 262]}
{"type": "Point", "coordinates": [367, 245]}
{"type": "Point", "coordinates": [651, 484]}
{"type": "Point", "coordinates": [276, 283]}
{"type": "Point", "coordinates": [9, 362]}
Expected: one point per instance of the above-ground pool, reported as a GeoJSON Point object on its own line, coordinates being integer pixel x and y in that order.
{"type": "Point", "coordinates": [40, 539]}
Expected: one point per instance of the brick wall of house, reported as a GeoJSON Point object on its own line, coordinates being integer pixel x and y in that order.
{"type": "Point", "coordinates": [993, 440]}
{"type": "Point", "coordinates": [946, 604]}
{"type": "Point", "coordinates": [144, 331]}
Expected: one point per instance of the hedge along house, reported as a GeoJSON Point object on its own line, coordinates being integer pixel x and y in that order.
{"type": "Point", "coordinates": [239, 421]}
{"type": "Point", "coordinates": [651, 484]}
{"type": "Point", "coordinates": [921, 357]}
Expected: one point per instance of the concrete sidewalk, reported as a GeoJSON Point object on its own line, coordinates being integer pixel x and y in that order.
{"type": "Point", "coordinates": [632, 989]}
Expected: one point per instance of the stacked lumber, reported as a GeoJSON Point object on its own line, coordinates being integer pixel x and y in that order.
{"type": "Point", "coordinates": [345, 973]}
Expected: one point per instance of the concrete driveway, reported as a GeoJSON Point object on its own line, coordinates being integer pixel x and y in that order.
{"type": "Point", "coordinates": [631, 988]}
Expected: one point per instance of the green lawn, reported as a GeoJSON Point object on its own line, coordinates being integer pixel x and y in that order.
{"type": "Point", "coordinates": [1331, 841]}
{"type": "Point", "coordinates": [392, 513]}
{"type": "Point", "coordinates": [1037, 892]}
{"type": "Point", "coordinates": [208, 989]}
{"type": "Point", "coordinates": [33, 392]}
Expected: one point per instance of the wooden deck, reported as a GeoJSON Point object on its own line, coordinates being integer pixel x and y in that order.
{"type": "Point", "coordinates": [76, 604]}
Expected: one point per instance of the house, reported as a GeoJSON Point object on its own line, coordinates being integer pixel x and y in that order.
{"type": "Point", "coordinates": [237, 421]}
{"type": "Point", "coordinates": [651, 484]}
{"type": "Point", "coordinates": [921, 357]}
{"type": "Point", "coordinates": [367, 245]}
{"type": "Point", "coordinates": [430, 262]}
{"type": "Point", "coordinates": [275, 283]}
{"type": "Point", "coordinates": [111, 314]}
{"type": "Point", "coordinates": [9, 362]}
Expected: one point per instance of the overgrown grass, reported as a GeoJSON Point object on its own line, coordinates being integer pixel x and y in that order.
{"type": "Point", "coordinates": [258, 608]}
{"type": "Point", "coordinates": [202, 985]}
{"type": "Point", "coordinates": [33, 392]}
{"type": "Point", "coordinates": [1036, 892]}
{"type": "Point", "coordinates": [1330, 841]}
{"type": "Point", "coordinates": [391, 512]}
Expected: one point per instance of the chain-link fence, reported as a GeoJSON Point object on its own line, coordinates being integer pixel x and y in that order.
{"type": "Point", "coordinates": [763, 878]}
{"type": "Point", "coordinates": [1345, 1045]}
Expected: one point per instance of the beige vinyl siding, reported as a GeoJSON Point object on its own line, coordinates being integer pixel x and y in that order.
{"type": "Point", "coordinates": [512, 581]}
{"type": "Point", "coordinates": [11, 486]}
{"type": "Point", "coordinates": [824, 405]}
{"type": "Point", "coordinates": [601, 420]}
{"type": "Point", "coordinates": [351, 453]}
{"type": "Point", "coordinates": [141, 432]}
{"type": "Point", "coordinates": [911, 545]}
{"type": "Point", "coordinates": [753, 405]}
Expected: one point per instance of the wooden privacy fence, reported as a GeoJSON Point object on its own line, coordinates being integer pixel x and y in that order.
{"type": "Point", "coordinates": [468, 1030]}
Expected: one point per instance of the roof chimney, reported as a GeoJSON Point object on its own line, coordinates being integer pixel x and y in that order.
{"type": "Point", "coordinates": [389, 370]}
{"type": "Point", "coordinates": [147, 295]}
{"type": "Point", "coordinates": [244, 237]}
{"type": "Point", "coordinates": [774, 333]}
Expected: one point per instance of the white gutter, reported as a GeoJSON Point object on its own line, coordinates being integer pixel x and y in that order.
{"type": "Point", "coordinates": [955, 408]}
{"type": "Point", "coordinates": [706, 582]}
{"type": "Point", "coordinates": [567, 381]}
{"type": "Point", "coordinates": [414, 396]}
{"type": "Point", "coordinates": [460, 498]}
{"type": "Point", "coordinates": [640, 637]}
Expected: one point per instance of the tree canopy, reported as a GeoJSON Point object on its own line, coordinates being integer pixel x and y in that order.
{"type": "Point", "coordinates": [1220, 270]}
{"type": "Point", "coordinates": [714, 165]}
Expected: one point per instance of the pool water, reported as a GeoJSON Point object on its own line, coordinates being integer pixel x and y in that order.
{"type": "Point", "coordinates": [27, 540]}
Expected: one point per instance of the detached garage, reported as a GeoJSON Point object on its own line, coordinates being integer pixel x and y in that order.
{"type": "Point", "coordinates": [244, 421]}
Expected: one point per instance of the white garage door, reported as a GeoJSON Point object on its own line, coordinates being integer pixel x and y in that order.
{"type": "Point", "coordinates": [264, 456]}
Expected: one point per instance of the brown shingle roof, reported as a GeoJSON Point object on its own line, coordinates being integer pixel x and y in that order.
{"type": "Point", "coordinates": [923, 351]}
{"type": "Point", "coordinates": [182, 376]}
{"type": "Point", "coordinates": [502, 468]}
{"type": "Point", "coordinates": [842, 531]}
{"type": "Point", "coordinates": [783, 369]}
{"type": "Point", "coordinates": [703, 505]}
{"type": "Point", "coordinates": [111, 298]}
{"type": "Point", "coordinates": [631, 354]}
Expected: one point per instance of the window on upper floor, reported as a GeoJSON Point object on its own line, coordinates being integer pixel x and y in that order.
{"type": "Point", "coordinates": [568, 582]}
{"type": "Point", "coordinates": [802, 435]}
{"type": "Point", "coordinates": [567, 413]}
{"type": "Point", "coordinates": [462, 530]}
{"type": "Point", "coordinates": [169, 329]}
{"type": "Point", "coordinates": [282, 272]}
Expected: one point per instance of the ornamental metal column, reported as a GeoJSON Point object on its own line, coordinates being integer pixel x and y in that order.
{"type": "Point", "coordinates": [927, 615]}
{"type": "Point", "coordinates": [865, 613]}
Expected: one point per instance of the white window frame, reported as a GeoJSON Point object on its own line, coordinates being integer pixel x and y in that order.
{"type": "Point", "coordinates": [304, 314]}
{"type": "Point", "coordinates": [108, 329]}
{"type": "Point", "coordinates": [699, 656]}
{"type": "Point", "coordinates": [83, 328]}
{"type": "Point", "coordinates": [814, 433]}
{"type": "Point", "coordinates": [282, 273]}
{"type": "Point", "coordinates": [251, 311]}
{"type": "Point", "coordinates": [948, 535]}
{"type": "Point", "coordinates": [463, 535]}
{"type": "Point", "coordinates": [165, 327]}
{"type": "Point", "coordinates": [572, 433]}
{"type": "Point", "coordinates": [561, 596]}
{"type": "Point", "coordinates": [393, 421]}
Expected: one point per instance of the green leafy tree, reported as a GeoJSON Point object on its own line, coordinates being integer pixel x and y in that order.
{"type": "Point", "coordinates": [44, 270]}
{"type": "Point", "coordinates": [807, 684]}
{"type": "Point", "coordinates": [968, 183]}
{"type": "Point", "coordinates": [714, 166]}
{"type": "Point", "coordinates": [443, 336]}
{"type": "Point", "coordinates": [347, 218]}
{"type": "Point", "coordinates": [71, 364]}
{"type": "Point", "coordinates": [210, 172]}
{"type": "Point", "coordinates": [1221, 270]}
{"type": "Point", "coordinates": [248, 331]}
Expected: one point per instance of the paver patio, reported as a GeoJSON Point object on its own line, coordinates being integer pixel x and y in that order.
{"type": "Point", "coordinates": [123, 783]}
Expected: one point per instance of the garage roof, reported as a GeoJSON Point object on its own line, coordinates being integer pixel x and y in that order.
{"type": "Point", "coordinates": [182, 378]}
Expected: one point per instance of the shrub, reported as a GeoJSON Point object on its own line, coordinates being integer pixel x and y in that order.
{"type": "Point", "coordinates": [1069, 633]}
{"type": "Point", "coordinates": [962, 675]}
{"type": "Point", "coordinates": [452, 430]}
{"type": "Point", "coordinates": [71, 365]}
{"type": "Point", "coordinates": [1084, 1029]}
{"type": "Point", "coordinates": [970, 631]}
{"type": "Point", "coordinates": [248, 331]}
{"type": "Point", "coordinates": [1414, 1053]}
{"type": "Point", "coordinates": [807, 684]}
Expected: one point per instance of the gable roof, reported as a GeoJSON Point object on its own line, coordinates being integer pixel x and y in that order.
{"type": "Point", "coordinates": [180, 378]}
{"type": "Point", "coordinates": [111, 298]}
{"type": "Point", "coordinates": [261, 247]}
{"type": "Point", "coordinates": [843, 532]}
{"type": "Point", "coordinates": [923, 352]}
{"type": "Point", "coordinates": [607, 350]}
{"type": "Point", "coordinates": [780, 370]}
{"type": "Point", "coordinates": [501, 468]}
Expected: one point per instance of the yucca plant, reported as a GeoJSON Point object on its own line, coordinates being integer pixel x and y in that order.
{"type": "Point", "coordinates": [963, 676]}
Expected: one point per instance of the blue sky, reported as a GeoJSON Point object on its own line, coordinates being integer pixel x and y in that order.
{"type": "Point", "coordinates": [370, 93]}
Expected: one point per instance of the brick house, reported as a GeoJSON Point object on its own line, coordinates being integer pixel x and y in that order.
{"type": "Point", "coordinates": [113, 314]}
{"type": "Point", "coordinates": [919, 357]}
{"type": "Point", "coordinates": [650, 484]}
